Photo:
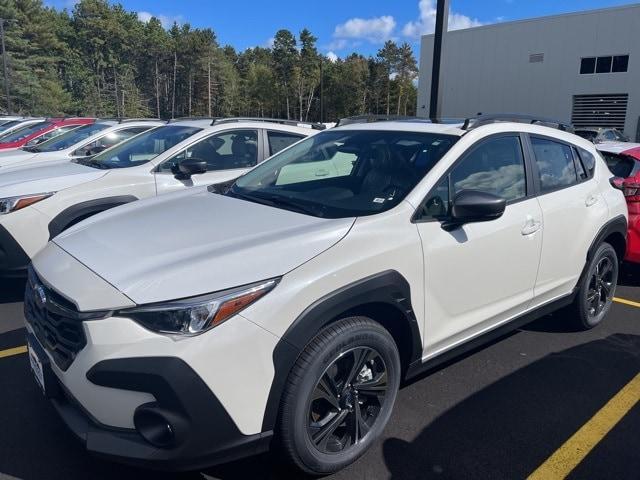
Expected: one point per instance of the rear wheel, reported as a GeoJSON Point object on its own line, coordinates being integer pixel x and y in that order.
{"type": "Point", "coordinates": [597, 288]}
{"type": "Point", "coordinates": [339, 395]}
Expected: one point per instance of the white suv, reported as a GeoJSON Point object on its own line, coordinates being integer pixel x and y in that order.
{"type": "Point", "coordinates": [198, 327]}
{"type": "Point", "coordinates": [39, 201]}
{"type": "Point", "coordinates": [80, 142]}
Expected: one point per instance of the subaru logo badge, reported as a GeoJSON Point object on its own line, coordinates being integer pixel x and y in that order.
{"type": "Point", "coordinates": [41, 296]}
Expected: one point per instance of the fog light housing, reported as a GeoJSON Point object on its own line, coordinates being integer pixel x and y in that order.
{"type": "Point", "coordinates": [158, 426]}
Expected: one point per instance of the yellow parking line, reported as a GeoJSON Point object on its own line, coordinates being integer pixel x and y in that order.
{"type": "Point", "coordinates": [626, 302]}
{"type": "Point", "coordinates": [574, 450]}
{"type": "Point", "coordinates": [13, 351]}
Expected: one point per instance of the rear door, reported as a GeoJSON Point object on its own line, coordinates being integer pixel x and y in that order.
{"type": "Point", "coordinates": [573, 210]}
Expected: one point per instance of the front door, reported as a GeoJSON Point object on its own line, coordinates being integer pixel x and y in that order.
{"type": "Point", "coordinates": [481, 274]}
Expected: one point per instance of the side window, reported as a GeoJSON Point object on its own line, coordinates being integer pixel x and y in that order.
{"type": "Point", "coordinates": [609, 135]}
{"type": "Point", "coordinates": [555, 164]}
{"type": "Point", "coordinates": [437, 203]}
{"type": "Point", "coordinates": [229, 150]}
{"type": "Point", "coordinates": [107, 141]}
{"type": "Point", "coordinates": [588, 160]}
{"type": "Point", "coordinates": [496, 166]}
{"type": "Point", "coordinates": [281, 140]}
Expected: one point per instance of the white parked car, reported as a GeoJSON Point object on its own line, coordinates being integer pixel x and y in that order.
{"type": "Point", "coordinates": [80, 142]}
{"type": "Point", "coordinates": [39, 201]}
{"type": "Point", "coordinates": [185, 330]}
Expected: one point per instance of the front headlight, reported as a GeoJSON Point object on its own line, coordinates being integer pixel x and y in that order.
{"type": "Point", "coordinates": [196, 315]}
{"type": "Point", "coordinates": [11, 204]}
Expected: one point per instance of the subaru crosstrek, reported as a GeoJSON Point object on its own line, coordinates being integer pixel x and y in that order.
{"type": "Point", "coordinates": [285, 309]}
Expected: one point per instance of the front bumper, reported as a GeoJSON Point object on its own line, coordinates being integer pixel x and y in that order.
{"type": "Point", "coordinates": [206, 435]}
{"type": "Point", "coordinates": [210, 392]}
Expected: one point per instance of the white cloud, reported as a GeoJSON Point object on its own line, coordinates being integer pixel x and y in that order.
{"type": "Point", "coordinates": [333, 58]}
{"type": "Point", "coordinates": [167, 21]}
{"type": "Point", "coordinates": [427, 21]}
{"type": "Point", "coordinates": [374, 30]}
{"type": "Point", "coordinates": [269, 43]}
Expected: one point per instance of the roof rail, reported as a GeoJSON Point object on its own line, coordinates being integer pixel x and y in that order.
{"type": "Point", "coordinates": [371, 117]}
{"type": "Point", "coordinates": [486, 119]}
{"type": "Point", "coordinates": [125, 120]}
{"type": "Point", "coordinates": [184, 119]}
{"type": "Point", "coordinates": [314, 125]}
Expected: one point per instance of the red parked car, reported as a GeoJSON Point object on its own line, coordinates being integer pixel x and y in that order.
{"type": "Point", "coordinates": [623, 160]}
{"type": "Point", "coordinates": [35, 133]}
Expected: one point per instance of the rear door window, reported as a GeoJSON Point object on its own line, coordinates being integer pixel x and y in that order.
{"type": "Point", "coordinates": [556, 168]}
{"type": "Point", "coordinates": [281, 140]}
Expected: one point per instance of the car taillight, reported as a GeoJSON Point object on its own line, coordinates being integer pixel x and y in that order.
{"type": "Point", "coordinates": [631, 189]}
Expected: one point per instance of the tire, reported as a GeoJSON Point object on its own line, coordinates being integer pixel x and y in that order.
{"type": "Point", "coordinates": [595, 293]}
{"type": "Point", "coordinates": [325, 393]}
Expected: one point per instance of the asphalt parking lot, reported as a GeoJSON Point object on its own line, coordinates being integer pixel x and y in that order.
{"type": "Point", "coordinates": [544, 402]}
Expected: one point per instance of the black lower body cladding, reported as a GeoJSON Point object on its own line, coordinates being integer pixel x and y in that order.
{"type": "Point", "coordinates": [205, 433]}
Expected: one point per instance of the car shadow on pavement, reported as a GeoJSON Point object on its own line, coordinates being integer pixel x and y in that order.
{"type": "Point", "coordinates": [629, 275]}
{"type": "Point", "coordinates": [11, 290]}
{"type": "Point", "coordinates": [509, 428]}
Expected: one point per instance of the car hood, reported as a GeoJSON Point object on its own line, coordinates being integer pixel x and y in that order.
{"type": "Point", "coordinates": [17, 158]}
{"type": "Point", "coordinates": [196, 242]}
{"type": "Point", "coordinates": [12, 155]}
{"type": "Point", "coordinates": [44, 177]}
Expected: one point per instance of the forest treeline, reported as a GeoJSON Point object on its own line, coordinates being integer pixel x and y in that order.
{"type": "Point", "coordinates": [101, 60]}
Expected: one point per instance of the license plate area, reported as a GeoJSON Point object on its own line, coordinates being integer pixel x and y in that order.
{"type": "Point", "coordinates": [41, 368]}
{"type": "Point", "coordinates": [36, 367]}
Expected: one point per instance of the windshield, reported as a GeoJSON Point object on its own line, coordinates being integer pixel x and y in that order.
{"type": "Point", "coordinates": [24, 132]}
{"type": "Point", "coordinates": [70, 138]}
{"type": "Point", "coordinates": [142, 148]}
{"type": "Point", "coordinates": [337, 174]}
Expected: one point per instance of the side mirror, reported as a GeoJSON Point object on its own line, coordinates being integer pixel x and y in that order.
{"type": "Point", "coordinates": [470, 206]}
{"type": "Point", "coordinates": [189, 167]}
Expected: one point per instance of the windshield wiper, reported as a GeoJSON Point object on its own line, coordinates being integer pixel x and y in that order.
{"type": "Point", "coordinates": [90, 162]}
{"type": "Point", "coordinates": [31, 149]}
{"type": "Point", "coordinates": [277, 201]}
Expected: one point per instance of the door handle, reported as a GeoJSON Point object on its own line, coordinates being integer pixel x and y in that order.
{"type": "Point", "coordinates": [591, 200]}
{"type": "Point", "coordinates": [531, 227]}
{"type": "Point", "coordinates": [322, 173]}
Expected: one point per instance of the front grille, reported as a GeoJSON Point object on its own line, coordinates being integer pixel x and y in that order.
{"type": "Point", "coordinates": [56, 321]}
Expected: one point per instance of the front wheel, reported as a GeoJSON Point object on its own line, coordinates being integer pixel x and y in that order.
{"type": "Point", "coordinates": [339, 395]}
{"type": "Point", "coordinates": [597, 287]}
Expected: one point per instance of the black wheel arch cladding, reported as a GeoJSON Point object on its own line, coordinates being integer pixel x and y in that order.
{"type": "Point", "coordinates": [83, 210]}
{"type": "Point", "coordinates": [388, 288]}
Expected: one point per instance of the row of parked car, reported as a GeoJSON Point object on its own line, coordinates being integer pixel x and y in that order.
{"type": "Point", "coordinates": [280, 301]}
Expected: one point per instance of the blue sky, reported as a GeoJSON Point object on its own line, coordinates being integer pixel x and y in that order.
{"type": "Point", "coordinates": [342, 26]}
